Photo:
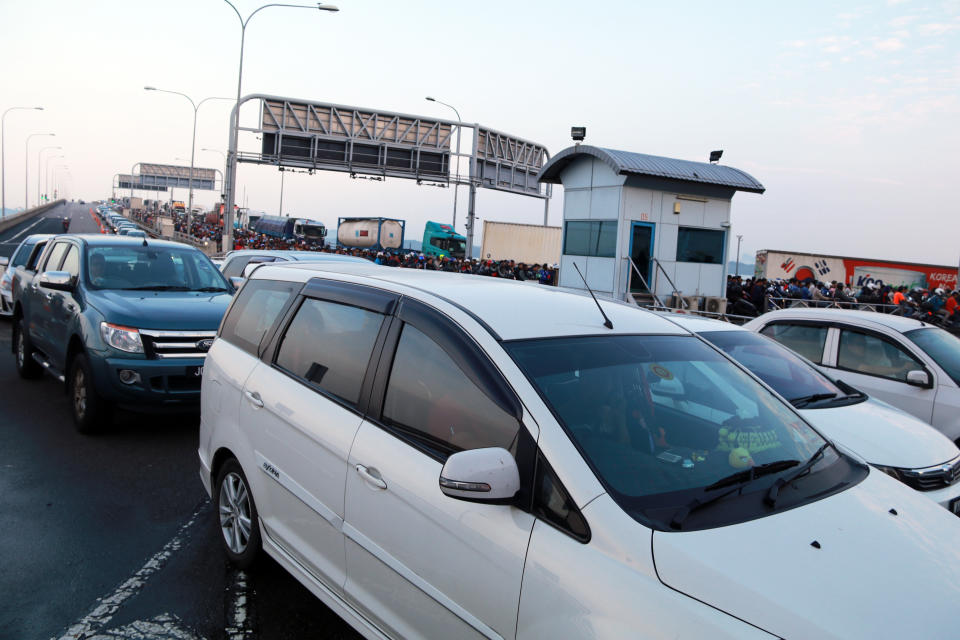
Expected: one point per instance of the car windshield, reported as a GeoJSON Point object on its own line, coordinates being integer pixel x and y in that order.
{"type": "Point", "coordinates": [662, 419]}
{"type": "Point", "coordinates": [943, 347]}
{"type": "Point", "coordinates": [158, 268]}
{"type": "Point", "coordinates": [313, 231]}
{"type": "Point", "coordinates": [788, 374]}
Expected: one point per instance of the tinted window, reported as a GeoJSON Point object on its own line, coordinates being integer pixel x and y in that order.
{"type": "Point", "coordinates": [806, 340]}
{"type": "Point", "coordinates": [20, 257]}
{"type": "Point", "coordinates": [874, 355]}
{"type": "Point", "coordinates": [943, 347]}
{"type": "Point", "coordinates": [71, 264]}
{"type": "Point", "coordinates": [152, 268]}
{"type": "Point", "coordinates": [254, 312]}
{"type": "Point", "coordinates": [553, 504]}
{"type": "Point", "coordinates": [235, 267]}
{"type": "Point", "coordinates": [56, 255]}
{"type": "Point", "coordinates": [430, 397]}
{"type": "Point", "coordinates": [328, 345]}
{"type": "Point", "coordinates": [36, 255]}
{"type": "Point", "coordinates": [699, 245]}
{"type": "Point", "coordinates": [590, 238]}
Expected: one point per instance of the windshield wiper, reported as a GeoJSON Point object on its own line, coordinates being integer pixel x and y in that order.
{"type": "Point", "coordinates": [739, 479]}
{"type": "Point", "coordinates": [208, 289]}
{"type": "Point", "coordinates": [157, 287]}
{"type": "Point", "coordinates": [774, 492]}
{"type": "Point", "coordinates": [816, 397]}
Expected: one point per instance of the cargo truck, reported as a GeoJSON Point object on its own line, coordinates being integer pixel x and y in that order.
{"type": "Point", "coordinates": [380, 234]}
{"type": "Point", "coordinates": [856, 272]}
{"type": "Point", "coordinates": [527, 243]}
{"type": "Point", "coordinates": [441, 239]}
{"type": "Point", "coordinates": [291, 228]}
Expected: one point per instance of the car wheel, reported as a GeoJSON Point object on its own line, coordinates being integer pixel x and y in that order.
{"type": "Point", "coordinates": [89, 410]}
{"type": "Point", "coordinates": [239, 523]}
{"type": "Point", "coordinates": [27, 367]}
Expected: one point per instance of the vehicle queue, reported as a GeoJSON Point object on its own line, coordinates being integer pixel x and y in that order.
{"type": "Point", "coordinates": [677, 475]}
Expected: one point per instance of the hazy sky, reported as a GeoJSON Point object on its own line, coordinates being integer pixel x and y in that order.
{"type": "Point", "coordinates": [847, 112]}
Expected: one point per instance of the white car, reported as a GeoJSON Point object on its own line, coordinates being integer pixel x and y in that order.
{"type": "Point", "coordinates": [910, 364]}
{"type": "Point", "coordinates": [890, 439]}
{"type": "Point", "coordinates": [8, 267]}
{"type": "Point", "coordinates": [440, 455]}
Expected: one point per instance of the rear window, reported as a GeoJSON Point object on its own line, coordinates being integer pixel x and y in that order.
{"type": "Point", "coordinates": [255, 311]}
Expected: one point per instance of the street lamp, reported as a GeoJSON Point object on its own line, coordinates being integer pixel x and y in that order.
{"type": "Point", "coordinates": [41, 173]}
{"type": "Point", "coordinates": [3, 162]}
{"type": "Point", "coordinates": [235, 125]}
{"type": "Point", "coordinates": [456, 184]}
{"type": "Point", "coordinates": [193, 138]}
{"type": "Point", "coordinates": [46, 175]}
{"type": "Point", "coordinates": [26, 165]}
{"type": "Point", "coordinates": [739, 238]}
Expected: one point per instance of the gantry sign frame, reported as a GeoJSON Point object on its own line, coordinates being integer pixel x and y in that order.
{"type": "Point", "coordinates": [320, 136]}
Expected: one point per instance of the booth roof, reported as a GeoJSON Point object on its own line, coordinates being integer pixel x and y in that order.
{"type": "Point", "coordinates": [630, 163]}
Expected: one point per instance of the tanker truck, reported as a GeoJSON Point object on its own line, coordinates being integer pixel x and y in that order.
{"type": "Point", "coordinates": [379, 234]}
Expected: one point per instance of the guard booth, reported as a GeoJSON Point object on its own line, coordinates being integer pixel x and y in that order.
{"type": "Point", "coordinates": [637, 224]}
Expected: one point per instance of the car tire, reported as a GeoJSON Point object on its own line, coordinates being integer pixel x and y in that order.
{"type": "Point", "coordinates": [27, 367]}
{"type": "Point", "coordinates": [237, 515]}
{"type": "Point", "coordinates": [90, 412]}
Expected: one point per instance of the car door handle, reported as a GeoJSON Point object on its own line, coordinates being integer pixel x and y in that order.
{"type": "Point", "coordinates": [254, 398]}
{"type": "Point", "coordinates": [371, 476]}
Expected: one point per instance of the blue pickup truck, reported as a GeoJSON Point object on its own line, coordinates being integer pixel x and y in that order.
{"type": "Point", "coordinates": [120, 321]}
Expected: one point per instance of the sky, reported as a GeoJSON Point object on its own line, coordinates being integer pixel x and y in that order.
{"type": "Point", "coordinates": [847, 112]}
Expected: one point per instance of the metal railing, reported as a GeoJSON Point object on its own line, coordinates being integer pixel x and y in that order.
{"type": "Point", "coordinates": [677, 294]}
{"type": "Point", "coordinates": [728, 317]}
{"type": "Point", "coordinates": [628, 296]}
{"type": "Point", "coordinates": [774, 303]}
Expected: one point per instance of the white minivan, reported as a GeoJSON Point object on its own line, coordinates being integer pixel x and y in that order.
{"type": "Point", "coordinates": [891, 440]}
{"type": "Point", "coordinates": [440, 455]}
{"type": "Point", "coordinates": [910, 364]}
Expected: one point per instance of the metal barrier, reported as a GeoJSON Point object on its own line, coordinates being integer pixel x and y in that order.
{"type": "Point", "coordinates": [726, 317]}
{"type": "Point", "coordinates": [775, 303]}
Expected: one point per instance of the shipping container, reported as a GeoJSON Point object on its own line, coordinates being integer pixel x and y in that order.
{"type": "Point", "coordinates": [527, 243]}
{"type": "Point", "coordinates": [371, 233]}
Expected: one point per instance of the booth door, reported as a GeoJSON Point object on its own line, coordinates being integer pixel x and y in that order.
{"type": "Point", "coordinates": [641, 249]}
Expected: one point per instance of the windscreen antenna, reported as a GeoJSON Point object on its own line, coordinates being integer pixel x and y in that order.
{"type": "Point", "coordinates": [606, 320]}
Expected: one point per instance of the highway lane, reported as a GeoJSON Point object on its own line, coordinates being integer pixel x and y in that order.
{"type": "Point", "coordinates": [81, 221]}
{"type": "Point", "coordinates": [112, 536]}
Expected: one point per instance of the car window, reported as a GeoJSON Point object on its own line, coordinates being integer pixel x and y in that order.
{"type": "Point", "coordinates": [432, 399]}
{"type": "Point", "coordinates": [875, 356]}
{"type": "Point", "coordinates": [235, 266]}
{"type": "Point", "coordinates": [554, 505]}
{"type": "Point", "coordinates": [20, 257]}
{"type": "Point", "coordinates": [55, 257]}
{"type": "Point", "coordinates": [71, 263]}
{"type": "Point", "coordinates": [255, 311]}
{"type": "Point", "coordinates": [152, 268]}
{"type": "Point", "coordinates": [36, 255]}
{"type": "Point", "coordinates": [328, 345]}
{"type": "Point", "coordinates": [807, 340]}
{"type": "Point", "coordinates": [943, 347]}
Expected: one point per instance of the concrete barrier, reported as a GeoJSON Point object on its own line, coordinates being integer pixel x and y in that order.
{"type": "Point", "coordinates": [8, 221]}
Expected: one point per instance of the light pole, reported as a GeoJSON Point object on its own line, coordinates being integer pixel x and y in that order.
{"type": "Point", "coordinates": [41, 174]}
{"type": "Point", "coordinates": [26, 165]}
{"type": "Point", "coordinates": [456, 184]}
{"type": "Point", "coordinates": [739, 238]}
{"type": "Point", "coordinates": [193, 138]}
{"type": "Point", "coordinates": [3, 161]}
{"type": "Point", "coordinates": [46, 175]}
{"type": "Point", "coordinates": [231, 174]}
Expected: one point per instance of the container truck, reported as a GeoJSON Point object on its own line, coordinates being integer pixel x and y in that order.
{"type": "Point", "coordinates": [380, 234]}
{"type": "Point", "coordinates": [441, 239]}
{"type": "Point", "coordinates": [527, 243]}
{"type": "Point", "coordinates": [291, 228]}
{"type": "Point", "coordinates": [853, 271]}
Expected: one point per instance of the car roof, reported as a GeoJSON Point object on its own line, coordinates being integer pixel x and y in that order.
{"type": "Point", "coordinates": [849, 316]}
{"type": "Point", "coordinates": [101, 240]}
{"type": "Point", "coordinates": [512, 309]}
{"type": "Point", "coordinates": [699, 324]}
{"type": "Point", "coordinates": [34, 238]}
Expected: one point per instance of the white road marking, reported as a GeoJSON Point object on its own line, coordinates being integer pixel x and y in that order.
{"type": "Point", "coordinates": [28, 228]}
{"type": "Point", "coordinates": [239, 621]}
{"type": "Point", "coordinates": [162, 627]}
{"type": "Point", "coordinates": [101, 614]}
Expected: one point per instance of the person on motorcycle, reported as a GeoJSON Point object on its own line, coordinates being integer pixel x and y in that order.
{"type": "Point", "coordinates": [66, 224]}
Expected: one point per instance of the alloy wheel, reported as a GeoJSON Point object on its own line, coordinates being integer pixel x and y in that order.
{"type": "Point", "coordinates": [235, 520]}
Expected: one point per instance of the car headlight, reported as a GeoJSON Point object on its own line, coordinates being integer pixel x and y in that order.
{"type": "Point", "coordinates": [122, 338]}
{"type": "Point", "coordinates": [893, 472]}
{"type": "Point", "coordinates": [6, 282]}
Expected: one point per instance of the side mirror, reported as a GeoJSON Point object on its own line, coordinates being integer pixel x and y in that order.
{"type": "Point", "coordinates": [481, 475]}
{"type": "Point", "coordinates": [236, 281]}
{"type": "Point", "coordinates": [919, 378]}
{"type": "Point", "coordinates": [57, 280]}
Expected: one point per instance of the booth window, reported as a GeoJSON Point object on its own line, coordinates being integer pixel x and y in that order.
{"type": "Point", "coordinates": [700, 245]}
{"type": "Point", "coordinates": [595, 238]}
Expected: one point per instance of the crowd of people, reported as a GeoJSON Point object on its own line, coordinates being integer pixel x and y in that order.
{"type": "Point", "coordinates": [752, 296]}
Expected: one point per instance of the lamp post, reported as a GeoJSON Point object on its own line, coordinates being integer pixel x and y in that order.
{"type": "Point", "coordinates": [45, 174]}
{"type": "Point", "coordinates": [739, 238]}
{"type": "Point", "coordinates": [41, 174]}
{"type": "Point", "coordinates": [456, 184]}
{"type": "Point", "coordinates": [3, 162]}
{"type": "Point", "coordinates": [231, 173]}
{"type": "Point", "coordinates": [193, 138]}
{"type": "Point", "coordinates": [26, 165]}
